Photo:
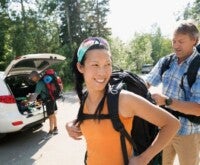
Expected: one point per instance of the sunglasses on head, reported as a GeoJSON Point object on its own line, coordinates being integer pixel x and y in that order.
{"type": "Point", "coordinates": [89, 42]}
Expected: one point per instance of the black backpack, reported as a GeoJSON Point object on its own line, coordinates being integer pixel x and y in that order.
{"type": "Point", "coordinates": [143, 133]}
{"type": "Point", "coordinates": [191, 78]}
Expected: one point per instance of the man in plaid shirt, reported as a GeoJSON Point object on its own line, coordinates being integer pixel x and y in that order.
{"type": "Point", "coordinates": [186, 144]}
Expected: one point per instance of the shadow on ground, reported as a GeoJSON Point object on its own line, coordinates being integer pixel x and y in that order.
{"type": "Point", "coordinates": [18, 148]}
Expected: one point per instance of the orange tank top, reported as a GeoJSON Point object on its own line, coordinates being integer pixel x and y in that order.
{"type": "Point", "coordinates": [103, 142]}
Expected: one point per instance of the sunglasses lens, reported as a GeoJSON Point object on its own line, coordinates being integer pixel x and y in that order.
{"type": "Point", "coordinates": [93, 41]}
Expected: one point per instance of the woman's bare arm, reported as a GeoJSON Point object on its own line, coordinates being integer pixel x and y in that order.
{"type": "Point", "coordinates": [134, 105]}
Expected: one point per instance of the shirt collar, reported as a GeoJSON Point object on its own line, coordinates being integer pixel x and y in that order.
{"type": "Point", "coordinates": [190, 58]}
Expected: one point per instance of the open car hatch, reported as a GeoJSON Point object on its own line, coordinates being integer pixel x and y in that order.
{"type": "Point", "coordinates": [27, 63]}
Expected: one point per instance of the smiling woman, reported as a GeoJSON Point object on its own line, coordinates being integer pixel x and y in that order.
{"type": "Point", "coordinates": [128, 16]}
{"type": "Point", "coordinates": [92, 66]}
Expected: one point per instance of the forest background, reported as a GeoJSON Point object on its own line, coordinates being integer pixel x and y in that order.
{"type": "Point", "coordinates": [59, 26]}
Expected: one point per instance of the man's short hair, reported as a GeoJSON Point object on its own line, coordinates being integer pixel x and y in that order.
{"type": "Point", "coordinates": [33, 73]}
{"type": "Point", "coordinates": [187, 27]}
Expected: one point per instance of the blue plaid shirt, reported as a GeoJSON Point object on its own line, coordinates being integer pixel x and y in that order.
{"type": "Point", "coordinates": [171, 80]}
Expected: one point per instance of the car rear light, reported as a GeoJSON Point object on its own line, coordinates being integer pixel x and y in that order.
{"type": "Point", "coordinates": [7, 99]}
{"type": "Point", "coordinates": [16, 123]}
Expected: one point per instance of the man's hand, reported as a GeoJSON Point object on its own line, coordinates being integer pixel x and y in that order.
{"type": "Point", "coordinates": [32, 96]}
{"type": "Point", "coordinates": [159, 98]}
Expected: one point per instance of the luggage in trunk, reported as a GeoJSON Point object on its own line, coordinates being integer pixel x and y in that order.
{"type": "Point", "coordinates": [20, 87]}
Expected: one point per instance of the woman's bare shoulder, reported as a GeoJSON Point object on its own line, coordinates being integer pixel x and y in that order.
{"type": "Point", "coordinates": [127, 100]}
{"type": "Point", "coordinates": [126, 96]}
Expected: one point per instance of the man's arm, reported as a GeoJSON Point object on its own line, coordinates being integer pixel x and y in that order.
{"type": "Point", "coordinates": [190, 108]}
{"type": "Point", "coordinates": [186, 107]}
{"type": "Point", "coordinates": [32, 97]}
{"type": "Point", "coordinates": [154, 77]}
{"type": "Point", "coordinates": [38, 90]}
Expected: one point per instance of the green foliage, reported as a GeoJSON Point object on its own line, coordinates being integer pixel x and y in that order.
{"type": "Point", "coordinates": [4, 36]}
{"type": "Point", "coordinates": [161, 46]}
{"type": "Point", "coordinates": [144, 48]}
{"type": "Point", "coordinates": [191, 12]}
{"type": "Point", "coordinates": [140, 51]}
{"type": "Point", "coordinates": [119, 53]}
{"type": "Point", "coordinates": [80, 19]}
{"type": "Point", "coordinates": [33, 26]}
{"type": "Point", "coordinates": [60, 26]}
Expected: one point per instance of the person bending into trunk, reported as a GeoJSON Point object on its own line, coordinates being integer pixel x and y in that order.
{"type": "Point", "coordinates": [50, 104]}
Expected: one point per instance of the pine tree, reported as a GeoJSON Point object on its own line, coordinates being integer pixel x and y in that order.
{"type": "Point", "coordinates": [83, 18]}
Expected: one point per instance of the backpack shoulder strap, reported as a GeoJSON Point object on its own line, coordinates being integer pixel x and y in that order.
{"type": "Point", "coordinates": [198, 48]}
{"type": "Point", "coordinates": [112, 100]}
{"type": "Point", "coordinates": [166, 63]}
{"type": "Point", "coordinates": [93, 116]}
{"type": "Point", "coordinates": [192, 70]}
{"type": "Point", "coordinates": [46, 93]}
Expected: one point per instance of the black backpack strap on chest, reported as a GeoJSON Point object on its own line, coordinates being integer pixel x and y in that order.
{"type": "Point", "coordinates": [166, 63]}
{"type": "Point", "coordinates": [198, 48]}
{"type": "Point", "coordinates": [192, 70]}
{"type": "Point", "coordinates": [95, 117]}
{"type": "Point", "coordinates": [191, 73]}
{"type": "Point", "coordinates": [112, 99]}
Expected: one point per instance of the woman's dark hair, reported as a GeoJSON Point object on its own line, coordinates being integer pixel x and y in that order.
{"type": "Point", "coordinates": [79, 79]}
{"type": "Point", "coordinates": [79, 82]}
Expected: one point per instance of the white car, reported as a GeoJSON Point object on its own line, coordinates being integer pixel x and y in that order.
{"type": "Point", "coordinates": [15, 86]}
